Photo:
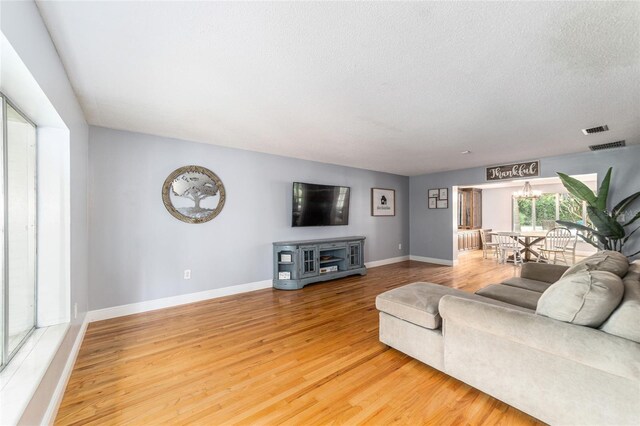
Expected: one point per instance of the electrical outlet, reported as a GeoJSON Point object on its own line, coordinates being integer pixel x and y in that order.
{"type": "Point", "coordinates": [400, 246]}
{"type": "Point", "coordinates": [75, 310]}
{"type": "Point", "coordinates": [187, 274]}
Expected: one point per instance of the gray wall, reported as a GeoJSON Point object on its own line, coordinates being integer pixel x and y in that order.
{"type": "Point", "coordinates": [432, 230]}
{"type": "Point", "coordinates": [139, 251]}
{"type": "Point", "coordinates": [22, 25]}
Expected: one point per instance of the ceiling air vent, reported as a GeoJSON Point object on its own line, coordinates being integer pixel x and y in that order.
{"type": "Point", "coordinates": [596, 129]}
{"type": "Point", "coordinates": [616, 144]}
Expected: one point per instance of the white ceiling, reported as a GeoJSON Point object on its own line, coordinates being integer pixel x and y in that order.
{"type": "Point", "coordinates": [395, 87]}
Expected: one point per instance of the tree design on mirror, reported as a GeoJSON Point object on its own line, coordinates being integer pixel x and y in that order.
{"type": "Point", "coordinates": [193, 194]}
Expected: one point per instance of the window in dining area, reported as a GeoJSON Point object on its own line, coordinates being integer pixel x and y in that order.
{"type": "Point", "coordinates": [540, 214]}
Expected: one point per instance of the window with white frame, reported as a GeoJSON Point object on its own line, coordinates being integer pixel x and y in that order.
{"type": "Point", "coordinates": [18, 198]}
{"type": "Point", "coordinates": [541, 214]}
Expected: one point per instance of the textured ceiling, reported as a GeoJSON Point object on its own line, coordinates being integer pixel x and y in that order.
{"type": "Point", "coordinates": [395, 87]}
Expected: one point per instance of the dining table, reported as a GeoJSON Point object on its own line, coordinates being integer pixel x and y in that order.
{"type": "Point", "coordinates": [528, 241]}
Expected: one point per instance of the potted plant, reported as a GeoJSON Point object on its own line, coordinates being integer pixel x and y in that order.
{"type": "Point", "coordinates": [610, 231]}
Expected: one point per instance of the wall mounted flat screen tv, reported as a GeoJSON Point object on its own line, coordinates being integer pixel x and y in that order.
{"type": "Point", "coordinates": [319, 205]}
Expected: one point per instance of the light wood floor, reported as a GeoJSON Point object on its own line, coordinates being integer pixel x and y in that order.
{"type": "Point", "coordinates": [269, 357]}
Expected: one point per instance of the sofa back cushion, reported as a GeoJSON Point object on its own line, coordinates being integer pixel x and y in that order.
{"type": "Point", "coordinates": [625, 320]}
{"type": "Point", "coordinates": [583, 298]}
{"type": "Point", "coordinates": [610, 261]}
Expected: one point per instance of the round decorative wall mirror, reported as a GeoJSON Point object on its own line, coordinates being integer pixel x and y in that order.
{"type": "Point", "coordinates": [193, 194]}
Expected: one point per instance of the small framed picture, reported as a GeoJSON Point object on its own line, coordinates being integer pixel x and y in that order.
{"type": "Point", "coordinates": [383, 202]}
{"type": "Point", "coordinates": [433, 193]}
{"type": "Point", "coordinates": [284, 275]}
{"type": "Point", "coordinates": [443, 194]}
{"type": "Point", "coordinates": [432, 202]}
{"type": "Point", "coordinates": [442, 204]}
{"type": "Point", "coordinates": [285, 257]}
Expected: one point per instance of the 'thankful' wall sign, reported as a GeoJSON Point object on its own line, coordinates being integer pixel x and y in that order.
{"type": "Point", "coordinates": [514, 171]}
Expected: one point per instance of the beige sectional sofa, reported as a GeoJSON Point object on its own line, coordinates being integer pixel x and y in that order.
{"type": "Point", "coordinates": [561, 344]}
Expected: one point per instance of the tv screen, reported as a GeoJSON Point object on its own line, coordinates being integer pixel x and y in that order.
{"type": "Point", "coordinates": [319, 205]}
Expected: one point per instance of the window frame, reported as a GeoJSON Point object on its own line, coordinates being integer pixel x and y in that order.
{"type": "Point", "coordinates": [514, 203]}
{"type": "Point", "coordinates": [5, 355]}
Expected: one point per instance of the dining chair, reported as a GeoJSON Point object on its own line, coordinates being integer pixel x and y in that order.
{"type": "Point", "coordinates": [555, 242]}
{"type": "Point", "coordinates": [571, 248]}
{"type": "Point", "coordinates": [508, 245]}
{"type": "Point", "coordinates": [488, 245]}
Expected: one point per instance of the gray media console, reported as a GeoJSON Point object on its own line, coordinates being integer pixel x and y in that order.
{"type": "Point", "coordinates": [298, 263]}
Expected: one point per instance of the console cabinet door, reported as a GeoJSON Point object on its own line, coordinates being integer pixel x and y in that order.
{"type": "Point", "coordinates": [308, 261]}
{"type": "Point", "coordinates": [354, 255]}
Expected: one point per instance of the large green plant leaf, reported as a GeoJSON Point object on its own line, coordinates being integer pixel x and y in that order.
{"type": "Point", "coordinates": [606, 242]}
{"type": "Point", "coordinates": [609, 233]}
{"type": "Point", "coordinates": [579, 189]}
{"type": "Point", "coordinates": [619, 208]}
{"type": "Point", "coordinates": [591, 233]}
{"type": "Point", "coordinates": [630, 234]}
{"type": "Point", "coordinates": [633, 219]}
{"type": "Point", "coordinates": [605, 224]}
{"type": "Point", "coordinates": [603, 192]}
{"type": "Point", "coordinates": [577, 226]}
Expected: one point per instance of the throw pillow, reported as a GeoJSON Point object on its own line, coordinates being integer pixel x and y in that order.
{"type": "Point", "coordinates": [625, 320]}
{"type": "Point", "coordinates": [584, 298]}
{"type": "Point", "coordinates": [610, 261]}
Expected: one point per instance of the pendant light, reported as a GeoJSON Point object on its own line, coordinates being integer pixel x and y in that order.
{"type": "Point", "coordinates": [527, 192]}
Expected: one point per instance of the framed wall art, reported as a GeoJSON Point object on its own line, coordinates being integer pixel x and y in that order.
{"type": "Point", "coordinates": [433, 193]}
{"type": "Point", "coordinates": [443, 194]}
{"type": "Point", "coordinates": [193, 194]}
{"type": "Point", "coordinates": [433, 202]}
{"type": "Point", "coordinates": [383, 202]}
{"type": "Point", "coordinates": [442, 204]}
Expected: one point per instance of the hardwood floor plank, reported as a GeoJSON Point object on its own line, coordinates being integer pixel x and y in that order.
{"type": "Point", "coordinates": [270, 357]}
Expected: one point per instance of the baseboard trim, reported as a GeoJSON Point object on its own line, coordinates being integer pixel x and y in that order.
{"type": "Point", "coordinates": [167, 302]}
{"type": "Point", "coordinates": [444, 262]}
{"type": "Point", "coordinates": [376, 263]}
{"type": "Point", "coordinates": [58, 393]}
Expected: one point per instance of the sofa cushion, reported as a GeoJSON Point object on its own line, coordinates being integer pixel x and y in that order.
{"type": "Point", "coordinates": [527, 284]}
{"type": "Point", "coordinates": [610, 261]}
{"type": "Point", "coordinates": [418, 303]}
{"type": "Point", "coordinates": [625, 320]}
{"type": "Point", "coordinates": [546, 272]}
{"type": "Point", "coordinates": [511, 295]}
{"type": "Point", "coordinates": [584, 298]}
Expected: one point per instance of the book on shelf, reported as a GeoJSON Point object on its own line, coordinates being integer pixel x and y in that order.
{"type": "Point", "coordinates": [326, 269]}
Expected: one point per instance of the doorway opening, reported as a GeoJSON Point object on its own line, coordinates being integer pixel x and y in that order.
{"type": "Point", "coordinates": [500, 207]}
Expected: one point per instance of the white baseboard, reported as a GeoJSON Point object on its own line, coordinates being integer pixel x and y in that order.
{"type": "Point", "coordinates": [58, 393]}
{"type": "Point", "coordinates": [445, 262]}
{"type": "Point", "coordinates": [116, 311]}
{"type": "Point", "coordinates": [151, 305]}
{"type": "Point", "coordinates": [376, 263]}
{"type": "Point", "coordinates": [167, 302]}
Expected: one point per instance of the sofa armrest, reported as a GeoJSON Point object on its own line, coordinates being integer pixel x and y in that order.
{"type": "Point", "coordinates": [543, 272]}
{"type": "Point", "coordinates": [583, 345]}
